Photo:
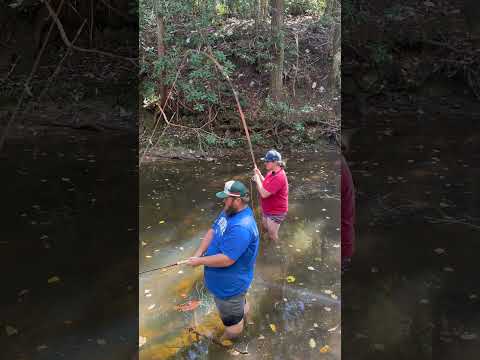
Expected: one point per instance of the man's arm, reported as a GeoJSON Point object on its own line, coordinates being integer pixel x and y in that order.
{"type": "Point", "coordinates": [219, 260]}
{"type": "Point", "coordinates": [206, 240]}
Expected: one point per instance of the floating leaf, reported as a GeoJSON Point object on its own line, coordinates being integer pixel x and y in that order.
{"type": "Point", "coordinates": [188, 306]}
{"type": "Point", "coordinates": [161, 221]}
{"type": "Point", "coordinates": [151, 307]}
{"type": "Point", "coordinates": [10, 330]}
{"type": "Point", "coordinates": [227, 342]}
{"type": "Point", "coordinates": [325, 349]}
{"type": "Point", "coordinates": [273, 327]}
{"type": "Point", "coordinates": [312, 343]}
{"type": "Point", "coordinates": [333, 329]}
{"type": "Point", "coordinates": [290, 279]}
{"type": "Point", "coordinates": [311, 268]}
{"type": "Point", "coordinates": [142, 340]}
{"type": "Point", "coordinates": [53, 279]}
{"type": "Point", "coordinates": [439, 251]}
{"type": "Point", "coordinates": [261, 337]}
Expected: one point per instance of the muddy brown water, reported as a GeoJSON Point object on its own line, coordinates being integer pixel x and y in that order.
{"type": "Point", "coordinates": [288, 320]}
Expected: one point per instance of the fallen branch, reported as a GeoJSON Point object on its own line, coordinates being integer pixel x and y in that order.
{"type": "Point", "coordinates": [67, 42]}
{"type": "Point", "coordinates": [57, 69]}
{"type": "Point", "coordinates": [451, 221]}
{"type": "Point", "coordinates": [26, 90]}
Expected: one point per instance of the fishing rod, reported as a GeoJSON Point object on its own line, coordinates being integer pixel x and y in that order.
{"type": "Point", "coordinates": [163, 268]}
{"type": "Point", "coordinates": [237, 100]}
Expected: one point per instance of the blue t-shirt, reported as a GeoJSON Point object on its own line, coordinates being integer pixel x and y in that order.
{"type": "Point", "coordinates": [237, 237]}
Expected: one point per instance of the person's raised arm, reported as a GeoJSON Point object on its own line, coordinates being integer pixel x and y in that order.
{"type": "Point", "coordinates": [258, 180]}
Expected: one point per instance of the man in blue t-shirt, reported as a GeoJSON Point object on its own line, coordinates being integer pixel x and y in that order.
{"type": "Point", "coordinates": [228, 251]}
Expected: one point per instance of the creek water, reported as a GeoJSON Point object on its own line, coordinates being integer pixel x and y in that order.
{"type": "Point", "coordinates": [288, 319]}
{"type": "Point", "coordinates": [417, 240]}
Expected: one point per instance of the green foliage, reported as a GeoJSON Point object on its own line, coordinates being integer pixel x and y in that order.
{"type": "Point", "coordinates": [299, 126]}
{"type": "Point", "coordinates": [304, 7]}
{"type": "Point", "coordinates": [211, 139]}
{"type": "Point", "coordinates": [256, 138]}
{"type": "Point", "coordinates": [231, 143]}
{"type": "Point", "coordinates": [381, 53]}
{"type": "Point", "coordinates": [277, 108]}
{"type": "Point", "coordinates": [222, 9]}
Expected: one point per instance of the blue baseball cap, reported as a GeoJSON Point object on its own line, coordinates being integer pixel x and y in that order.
{"type": "Point", "coordinates": [272, 155]}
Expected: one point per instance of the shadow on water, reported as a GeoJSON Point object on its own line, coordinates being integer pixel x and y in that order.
{"type": "Point", "coordinates": [289, 319]}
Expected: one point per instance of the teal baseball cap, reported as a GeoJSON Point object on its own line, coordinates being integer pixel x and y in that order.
{"type": "Point", "coordinates": [233, 188]}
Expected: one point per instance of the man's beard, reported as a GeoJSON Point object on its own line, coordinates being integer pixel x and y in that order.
{"type": "Point", "coordinates": [230, 211]}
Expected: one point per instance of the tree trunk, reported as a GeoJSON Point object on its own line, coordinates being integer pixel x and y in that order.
{"type": "Point", "coordinates": [277, 50]}
{"type": "Point", "coordinates": [263, 8]}
{"type": "Point", "coordinates": [333, 9]}
{"type": "Point", "coordinates": [161, 54]}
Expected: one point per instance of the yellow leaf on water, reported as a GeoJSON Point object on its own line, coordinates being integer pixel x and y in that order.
{"type": "Point", "coordinates": [227, 342]}
{"type": "Point", "coordinates": [161, 221]}
{"type": "Point", "coordinates": [53, 279]}
{"type": "Point", "coordinates": [273, 327]}
{"type": "Point", "coordinates": [325, 349]}
{"type": "Point", "coordinates": [312, 343]}
{"type": "Point", "coordinates": [290, 279]}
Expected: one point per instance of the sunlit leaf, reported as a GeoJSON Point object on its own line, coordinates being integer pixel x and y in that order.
{"type": "Point", "coordinates": [290, 279]}
{"type": "Point", "coordinates": [273, 327]}
{"type": "Point", "coordinates": [312, 343]}
{"type": "Point", "coordinates": [325, 349]}
{"type": "Point", "coordinates": [53, 279]}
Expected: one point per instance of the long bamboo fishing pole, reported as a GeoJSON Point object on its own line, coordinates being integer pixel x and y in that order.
{"type": "Point", "coordinates": [239, 107]}
{"type": "Point", "coordinates": [163, 268]}
{"type": "Point", "coordinates": [240, 111]}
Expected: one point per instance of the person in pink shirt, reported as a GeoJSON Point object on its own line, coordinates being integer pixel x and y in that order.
{"type": "Point", "coordinates": [273, 190]}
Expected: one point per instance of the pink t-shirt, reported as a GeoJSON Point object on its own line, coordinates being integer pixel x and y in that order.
{"type": "Point", "coordinates": [348, 211]}
{"type": "Point", "coordinates": [277, 185]}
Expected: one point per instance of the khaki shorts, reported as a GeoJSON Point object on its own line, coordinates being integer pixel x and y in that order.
{"type": "Point", "coordinates": [232, 309]}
